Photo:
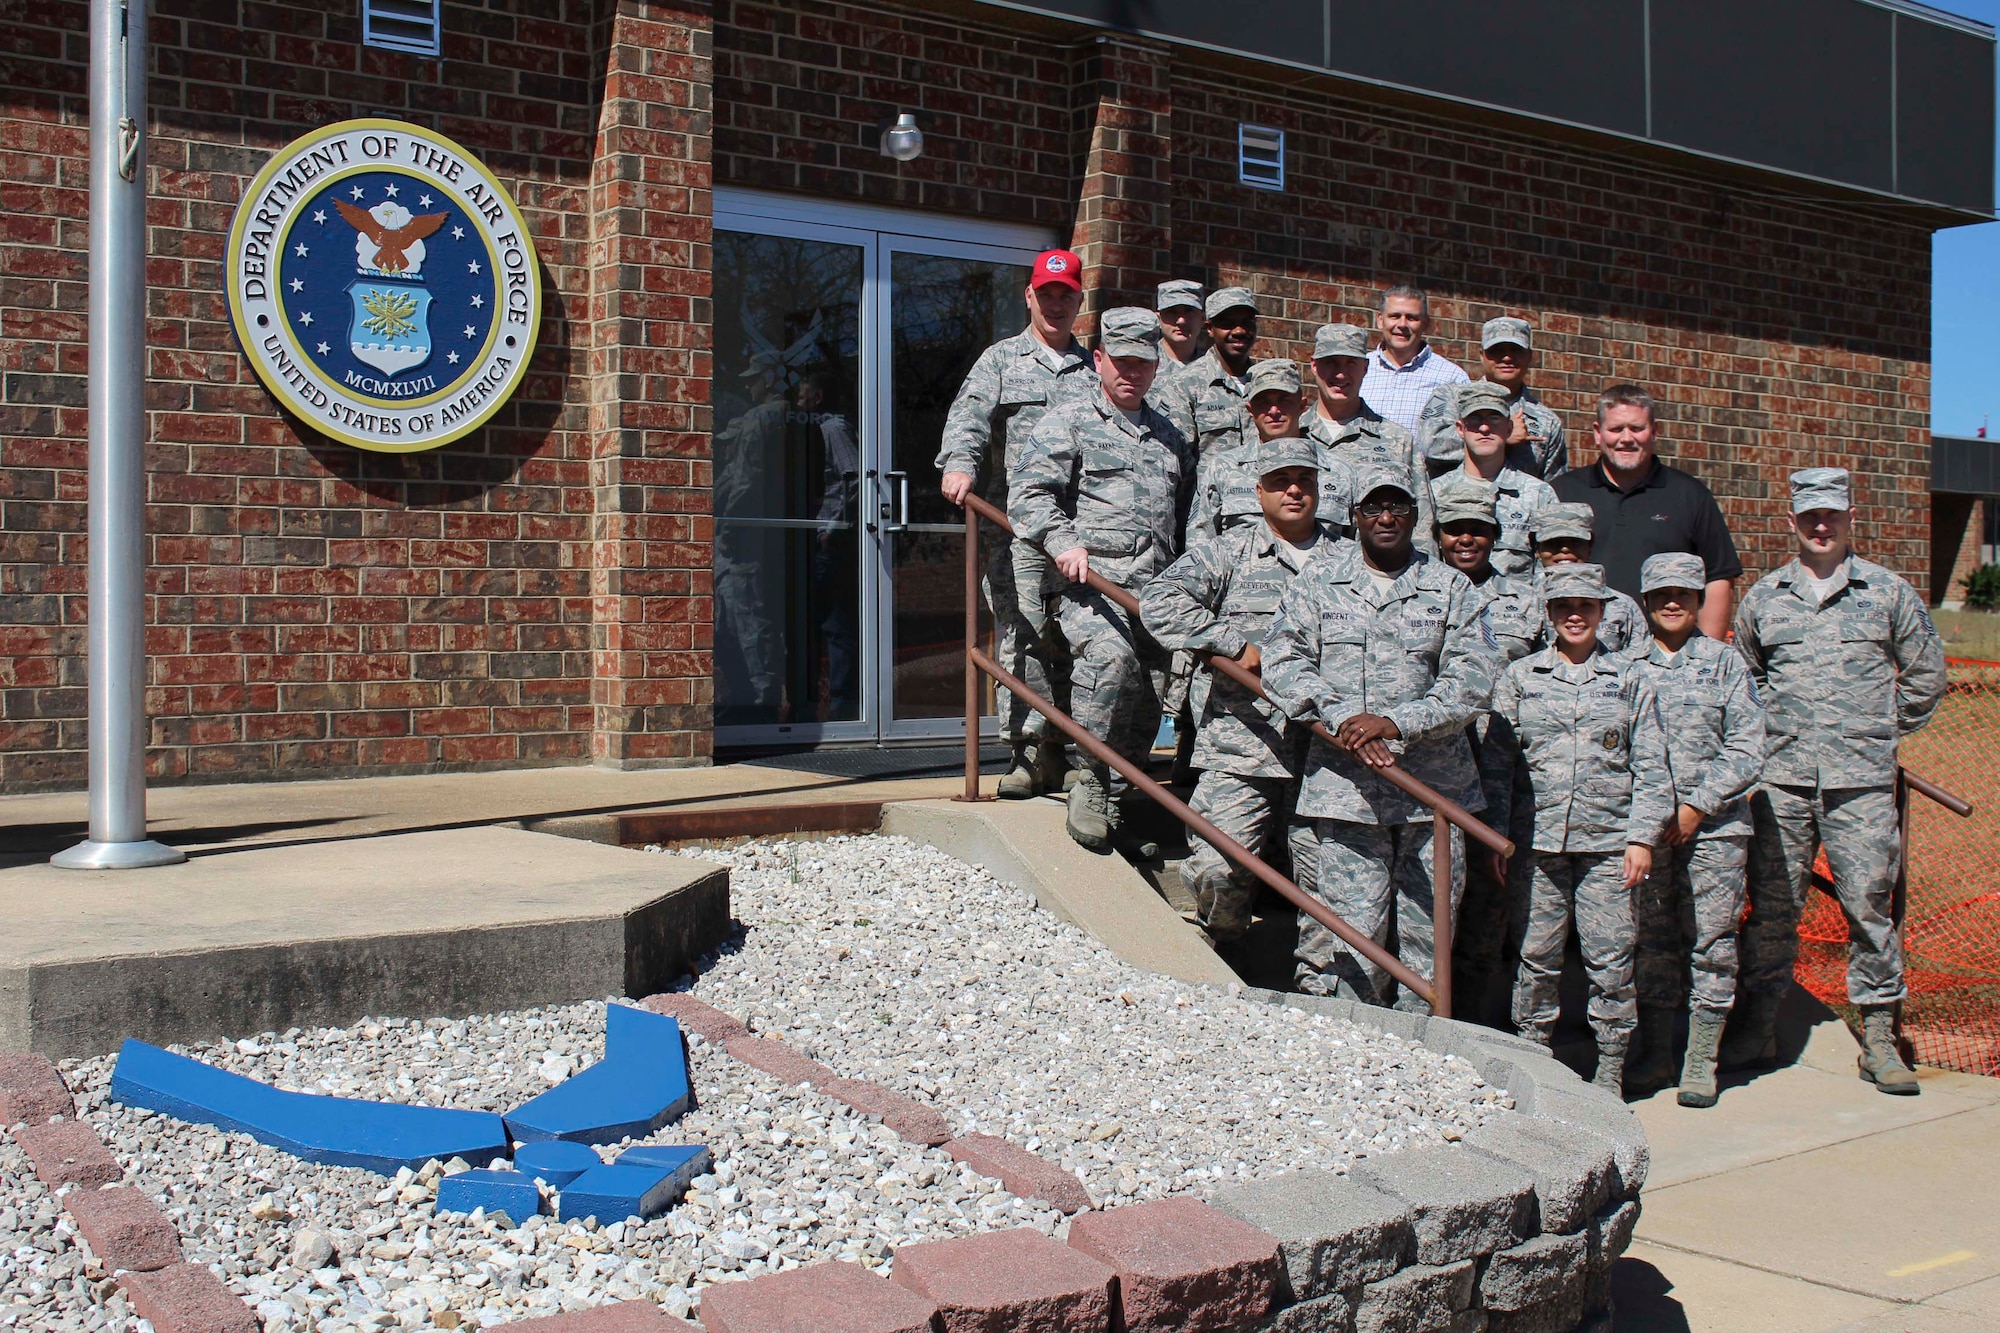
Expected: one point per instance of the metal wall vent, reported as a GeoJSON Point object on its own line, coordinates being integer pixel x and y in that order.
{"type": "Point", "coordinates": [1260, 156]}
{"type": "Point", "coordinates": [402, 25]}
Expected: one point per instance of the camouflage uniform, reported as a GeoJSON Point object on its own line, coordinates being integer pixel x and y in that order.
{"type": "Point", "coordinates": [1210, 405]}
{"type": "Point", "coordinates": [1364, 440]}
{"type": "Point", "coordinates": [1517, 624]}
{"type": "Point", "coordinates": [1584, 747]}
{"type": "Point", "coordinates": [1091, 478]}
{"type": "Point", "coordinates": [1842, 681]}
{"type": "Point", "coordinates": [1218, 598]}
{"type": "Point", "coordinates": [1177, 292]}
{"type": "Point", "coordinates": [1516, 497]}
{"type": "Point", "coordinates": [1009, 389]}
{"type": "Point", "coordinates": [1544, 454]}
{"type": "Point", "coordinates": [1692, 903]}
{"type": "Point", "coordinates": [1226, 481]}
{"type": "Point", "coordinates": [1337, 648]}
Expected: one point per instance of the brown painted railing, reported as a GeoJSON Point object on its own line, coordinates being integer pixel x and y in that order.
{"type": "Point", "coordinates": [1435, 991]}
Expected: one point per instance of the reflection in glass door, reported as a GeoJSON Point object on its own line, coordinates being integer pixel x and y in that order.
{"type": "Point", "coordinates": [840, 340]}
{"type": "Point", "coordinates": [788, 484]}
{"type": "Point", "coordinates": [944, 310]}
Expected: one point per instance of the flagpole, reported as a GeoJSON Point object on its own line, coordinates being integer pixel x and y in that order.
{"type": "Point", "coordinates": [117, 401]}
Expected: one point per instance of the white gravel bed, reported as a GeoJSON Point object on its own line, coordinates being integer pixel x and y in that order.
{"type": "Point", "coordinates": [892, 961]}
{"type": "Point", "coordinates": [799, 1178]}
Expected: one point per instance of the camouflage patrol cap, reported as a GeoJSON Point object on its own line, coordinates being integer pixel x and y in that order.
{"type": "Point", "coordinates": [1179, 292]}
{"type": "Point", "coordinates": [1129, 330]}
{"type": "Point", "coordinates": [1574, 581]}
{"type": "Point", "coordinates": [1563, 520]}
{"type": "Point", "coordinates": [1672, 569]}
{"type": "Point", "coordinates": [1481, 396]}
{"type": "Point", "coordinates": [1465, 499]}
{"type": "Point", "coordinates": [1504, 330]}
{"type": "Point", "coordinates": [1229, 298]}
{"type": "Point", "coordinates": [1279, 373]}
{"type": "Point", "coordinates": [1821, 488]}
{"type": "Point", "coordinates": [1340, 340]}
{"type": "Point", "coordinates": [1372, 477]}
{"type": "Point", "coordinates": [1286, 451]}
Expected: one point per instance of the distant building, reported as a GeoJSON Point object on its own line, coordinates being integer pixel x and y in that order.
{"type": "Point", "coordinates": [1965, 512]}
{"type": "Point", "coordinates": [709, 517]}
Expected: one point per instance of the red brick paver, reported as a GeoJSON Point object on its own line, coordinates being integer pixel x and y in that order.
{"type": "Point", "coordinates": [1021, 1171]}
{"type": "Point", "coordinates": [908, 1117]}
{"type": "Point", "coordinates": [124, 1227]}
{"type": "Point", "coordinates": [187, 1298]}
{"type": "Point", "coordinates": [32, 1090]}
{"type": "Point", "coordinates": [1182, 1265]}
{"type": "Point", "coordinates": [714, 1026]}
{"type": "Point", "coordinates": [821, 1298]}
{"type": "Point", "coordinates": [68, 1153]}
{"type": "Point", "coordinates": [1016, 1281]}
{"type": "Point", "coordinates": [778, 1060]}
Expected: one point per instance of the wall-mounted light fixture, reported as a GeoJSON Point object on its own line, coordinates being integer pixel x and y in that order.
{"type": "Point", "coordinates": [903, 140]}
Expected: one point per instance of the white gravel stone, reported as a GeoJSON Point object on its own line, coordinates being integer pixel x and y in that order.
{"type": "Point", "coordinates": [884, 959]}
{"type": "Point", "coordinates": [891, 961]}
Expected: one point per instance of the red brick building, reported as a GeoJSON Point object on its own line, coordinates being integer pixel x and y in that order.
{"type": "Point", "coordinates": [709, 516]}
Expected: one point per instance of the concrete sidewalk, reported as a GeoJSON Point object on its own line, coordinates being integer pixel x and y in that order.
{"type": "Point", "coordinates": [209, 818]}
{"type": "Point", "coordinates": [1809, 1202]}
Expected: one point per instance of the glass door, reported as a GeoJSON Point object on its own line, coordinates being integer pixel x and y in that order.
{"type": "Point", "coordinates": [946, 303]}
{"type": "Point", "coordinates": [792, 561]}
{"type": "Point", "coordinates": [841, 335]}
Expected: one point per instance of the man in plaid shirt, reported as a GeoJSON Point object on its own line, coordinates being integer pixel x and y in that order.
{"type": "Point", "coordinates": [1404, 370]}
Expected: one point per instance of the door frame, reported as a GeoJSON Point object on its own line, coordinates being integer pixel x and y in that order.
{"type": "Point", "coordinates": [879, 233]}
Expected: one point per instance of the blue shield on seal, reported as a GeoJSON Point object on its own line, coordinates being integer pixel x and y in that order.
{"type": "Point", "coordinates": [390, 328]}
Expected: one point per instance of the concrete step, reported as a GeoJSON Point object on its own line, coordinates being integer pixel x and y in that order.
{"type": "Point", "coordinates": [457, 921]}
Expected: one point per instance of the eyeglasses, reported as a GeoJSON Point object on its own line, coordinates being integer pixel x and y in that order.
{"type": "Point", "coordinates": [1377, 508]}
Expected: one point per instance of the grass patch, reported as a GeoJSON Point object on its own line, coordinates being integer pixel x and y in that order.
{"type": "Point", "coordinates": [1970, 633]}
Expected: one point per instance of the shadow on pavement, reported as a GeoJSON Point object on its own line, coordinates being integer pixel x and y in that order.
{"type": "Point", "coordinates": [1642, 1297]}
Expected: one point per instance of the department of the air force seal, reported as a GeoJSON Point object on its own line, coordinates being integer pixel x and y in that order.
{"type": "Point", "coordinates": [383, 285]}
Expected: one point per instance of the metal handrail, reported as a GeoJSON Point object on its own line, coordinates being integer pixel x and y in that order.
{"type": "Point", "coordinates": [1446, 812]}
{"type": "Point", "coordinates": [1923, 786]}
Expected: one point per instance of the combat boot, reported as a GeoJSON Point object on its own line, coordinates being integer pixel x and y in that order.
{"type": "Point", "coordinates": [1610, 1074]}
{"type": "Point", "coordinates": [1088, 823]}
{"type": "Point", "coordinates": [1020, 782]}
{"type": "Point", "coordinates": [1051, 763]}
{"type": "Point", "coordinates": [1655, 1066]}
{"type": "Point", "coordinates": [1753, 1031]}
{"type": "Point", "coordinates": [1698, 1071]}
{"type": "Point", "coordinates": [1880, 1062]}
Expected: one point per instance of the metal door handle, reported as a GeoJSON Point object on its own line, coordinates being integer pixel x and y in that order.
{"type": "Point", "coordinates": [899, 518]}
{"type": "Point", "coordinates": [870, 512]}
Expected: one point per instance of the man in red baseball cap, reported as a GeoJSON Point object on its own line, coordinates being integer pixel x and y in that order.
{"type": "Point", "coordinates": [1012, 386]}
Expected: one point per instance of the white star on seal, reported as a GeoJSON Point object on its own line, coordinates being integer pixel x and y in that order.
{"type": "Point", "coordinates": [323, 349]}
{"type": "Point", "coordinates": [451, 357]}
{"type": "Point", "coordinates": [297, 285]}
{"type": "Point", "coordinates": [473, 267]}
{"type": "Point", "coordinates": [390, 191]}
{"type": "Point", "coordinates": [423, 201]}
{"type": "Point", "coordinates": [458, 233]}
{"type": "Point", "coordinates": [354, 193]}
{"type": "Point", "coordinates": [319, 216]}
{"type": "Point", "coordinates": [478, 301]}
{"type": "Point", "coordinates": [468, 331]}
{"type": "Point", "coordinates": [299, 250]}
{"type": "Point", "coordinates": [306, 317]}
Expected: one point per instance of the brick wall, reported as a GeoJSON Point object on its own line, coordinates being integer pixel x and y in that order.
{"type": "Point", "coordinates": [540, 592]}
{"type": "Point", "coordinates": [315, 609]}
{"type": "Point", "coordinates": [802, 89]}
{"type": "Point", "coordinates": [1779, 334]}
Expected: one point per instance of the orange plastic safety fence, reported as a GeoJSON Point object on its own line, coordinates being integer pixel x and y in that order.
{"type": "Point", "coordinates": [1951, 931]}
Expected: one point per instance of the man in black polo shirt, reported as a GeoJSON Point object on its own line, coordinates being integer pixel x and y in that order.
{"type": "Point", "coordinates": [1643, 506]}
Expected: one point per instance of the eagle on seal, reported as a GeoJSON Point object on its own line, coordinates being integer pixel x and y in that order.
{"type": "Point", "coordinates": [391, 243]}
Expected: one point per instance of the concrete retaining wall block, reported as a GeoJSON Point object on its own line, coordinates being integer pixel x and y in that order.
{"type": "Point", "coordinates": [1419, 1299]}
{"type": "Point", "coordinates": [1464, 1204]}
{"type": "Point", "coordinates": [1334, 1232]}
{"type": "Point", "coordinates": [1573, 1169]}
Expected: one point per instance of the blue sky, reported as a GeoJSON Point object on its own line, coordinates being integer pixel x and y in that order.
{"type": "Point", "coordinates": [1965, 306]}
